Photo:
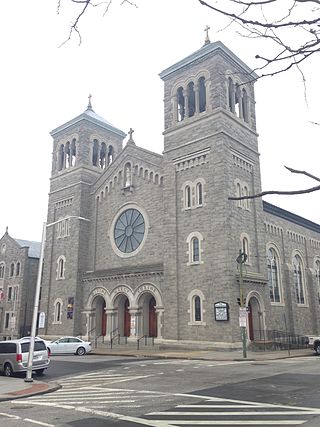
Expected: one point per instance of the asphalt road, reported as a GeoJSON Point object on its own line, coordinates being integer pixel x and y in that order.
{"type": "Point", "coordinates": [113, 391]}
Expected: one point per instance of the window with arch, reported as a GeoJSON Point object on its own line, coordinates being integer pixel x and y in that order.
{"type": "Point", "coordinates": [298, 277]}
{"type": "Point", "coordinates": [61, 266]}
{"type": "Point", "coordinates": [12, 269]}
{"type": "Point", "coordinates": [246, 248]}
{"type": "Point", "coordinates": [180, 103]}
{"type": "Point", "coordinates": [187, 197]}
{"type": "Point", "coordinates": [61, 157]}
{"type": "Point", "coordinates": [202, 95]}
{"type": "Point", "coordinates": [2, 270]}
{"type": "Point", "coordinates": [196, 311]}
{"type": "Point", "coordinates": [238, 193]}
{"type": "Point", "coordinates": [273, 267]}
{"type": "Point", "coordinates": [63, 228]}
{"type": "Point", "coordinates": [103, 156]}
{"type": "Point", "coordinates": [18, 268]}
{"type": "Point", "coordinates": [110, 155]}
{"type": "Point", "coordinates": [238, 100]}
{"type": "Point", "coordinates": [57, 311]}
{"type": "Point", "coordinates": [245, 202]}
{"type": "Point", "coordinates": [194, 241]}
{"type": "Point", "coordinates": [191, 99]}
{"type": "Point", "coordinates": [317, 277]}
{"type": "Point", "coordinates": [95, 152]}
{"type": "Point", "coordinates": [199, 194]}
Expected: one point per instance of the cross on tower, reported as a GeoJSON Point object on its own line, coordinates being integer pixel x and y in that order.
{"type": "Point", "coordinates": [130, 133]}
{"type": "Point", "coordinates": [207, 40]}
{"type": "Point", "coordinates": [89, 103]}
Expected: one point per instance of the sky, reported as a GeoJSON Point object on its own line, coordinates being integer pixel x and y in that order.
{"type": "Point", "coordinates": [44, 84]}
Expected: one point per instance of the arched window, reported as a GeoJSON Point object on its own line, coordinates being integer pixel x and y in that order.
{"type": "Point", "coordinates": [180, 104]}
{"type": "Point", "coordinates": [199, 194]}
{"type": "Point", "coordinates": [18, 269]}
{"type": "Point", "coordinates": [298, 279]}
{"type": "Point", "coordinates": [61, 157]}
{"type": "Point", "coordinates": [246, 248]}
{"type": "Point", "coordinates": [57, 312]}
{"type": "Point", "coordinates": [317, 277]}
{"type": "Point", "coordinates": [110, 155]}
{"type": "Point", "coordinates": [12, 269]}
{"type": "Point", "coordinates": [197, 308]}
{"type": "Point", "coordinates": [187, 196]}
{"type": "Point", "coordinates": [238, 194]}
{"type": "Point", "coordinates": [61, 267]}
{"type": "Point", "coordinates": [73, 153]}
{"type": "Point", "coordinates": [191, 100]}
{"type": "Point", "coordinates": [245, 202]}
{"type": "Point", "coordinates": [95, 152]}
{"type": "Point", "coordinates": [103, 156]}
{"type": "Point", "coordinates": [273, 275]}
{"type": "Point", "coordinates": [196, 311]}
{"type": "Point", "coordinates": [202, 95]}
{"type": "Point", "coordinates": [231, 97]}
{"type": "Point", "coordinates": [244, 100]}
{"type": "Point", "coordinates": [195, 257]}
{"type": "Point", "coordinates": [2, 270]}
{"type": "Point", "coordinates": [194, 242]}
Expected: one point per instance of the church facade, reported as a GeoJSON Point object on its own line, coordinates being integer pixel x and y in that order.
{"type": "Point", "coordinates": [140, 243]}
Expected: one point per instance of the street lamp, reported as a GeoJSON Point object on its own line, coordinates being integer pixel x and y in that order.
{"type": "Point", "coordinates": [241, 259]}
{"type": "Point", "coordinates": [37, 293]}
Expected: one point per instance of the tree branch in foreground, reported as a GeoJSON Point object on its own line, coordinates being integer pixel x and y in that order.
{"type": "Point", "coordinates": [283, 193]}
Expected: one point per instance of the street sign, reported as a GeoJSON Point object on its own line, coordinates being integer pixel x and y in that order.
{"type": "Point", "coordinates": [242, 317]}
{"type": "Point", "coordinates": [42, 319]}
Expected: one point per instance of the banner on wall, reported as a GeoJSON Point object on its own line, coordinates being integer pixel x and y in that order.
{"type": "Point", "coordinates": [70, 308]}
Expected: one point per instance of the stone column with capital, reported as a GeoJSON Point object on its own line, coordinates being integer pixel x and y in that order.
{"type": "Point", "coordinates": [133, 322]}
{"type": "Point", "coordinates": [159, 313]}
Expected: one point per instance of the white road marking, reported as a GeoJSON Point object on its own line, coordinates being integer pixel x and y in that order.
{"type": "Point", "coordinates": [38, 422]}
{"type": "Point", "coordinates": [232, 413]}
{"type": "Point", "coordinates": [231, 423]}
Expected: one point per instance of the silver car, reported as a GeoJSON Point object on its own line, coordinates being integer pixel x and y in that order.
{"type": "Point", "coordinates": [73, 345]}
{"type": "Point", "coordinates": [14, 356]}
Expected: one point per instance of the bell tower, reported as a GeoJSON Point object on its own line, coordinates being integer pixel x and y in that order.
{"type": "Point", "coordinates": [83, 149]}
{"type": "Point", "coordinates": [210, 154]}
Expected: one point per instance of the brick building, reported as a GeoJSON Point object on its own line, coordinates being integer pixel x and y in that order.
{"type": "Point", "coordinates": [146, 244]}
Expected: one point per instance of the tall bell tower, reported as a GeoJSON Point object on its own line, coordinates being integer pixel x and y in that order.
{"type": "Point", "coordinates": [210, 154]}
{"type": "Point", "coordinates": [83, 149]}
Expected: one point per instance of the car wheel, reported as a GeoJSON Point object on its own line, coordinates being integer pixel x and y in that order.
{"type": "Point", "coordinates": [81, 351]}
{"type": "Point", "coordinates": [317, 348]}
{"type": "Point", "coordinates": [39, 371]}
{"type": "Point", "coordinates": [8, 372]}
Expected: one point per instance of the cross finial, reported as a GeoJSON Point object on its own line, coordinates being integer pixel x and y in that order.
{"type": "Point", "coordinates": [89, 103]}
{"type": "Point", "coordinates": [207, 40]}
{"type": "Point", "coordinates": [130, 133]}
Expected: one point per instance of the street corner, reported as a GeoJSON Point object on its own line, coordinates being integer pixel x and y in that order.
{"type": "Point", "coordinates": [29, 389]}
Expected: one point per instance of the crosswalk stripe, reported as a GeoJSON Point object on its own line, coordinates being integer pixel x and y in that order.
{"type": "Point", "coordinates": [232, 423]}
{"type": "Point", "coordinates": [231, 413]}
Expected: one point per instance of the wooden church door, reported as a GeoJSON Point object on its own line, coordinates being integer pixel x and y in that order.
{"type": "Point", "coordinates": [152, 318]}
{"type": "Point", "coordinates": [126, 328]}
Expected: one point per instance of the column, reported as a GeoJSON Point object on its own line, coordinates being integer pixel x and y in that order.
{"type": "Point", "coordinates": [197, 100]}
{"type": "Point", "coordinates": [159, 313]}
{"type": "Point", "coordinates": [133, 322]}
{"type": "Point", "coordinates": [110, 319]}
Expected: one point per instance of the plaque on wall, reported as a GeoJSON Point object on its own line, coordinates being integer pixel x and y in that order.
{"type": "Point", "coordinates": [221, 311]}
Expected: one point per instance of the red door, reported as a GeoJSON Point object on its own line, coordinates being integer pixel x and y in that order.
{"type": "Point", "coordinates": [126, 331]}
{"type": "Point", "coordinates": [103, 320]}
{"type": "Point", "coordinates": [152, 318]}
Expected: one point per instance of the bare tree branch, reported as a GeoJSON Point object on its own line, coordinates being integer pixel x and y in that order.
{"type": "Point", "coordinates": [283, 193]}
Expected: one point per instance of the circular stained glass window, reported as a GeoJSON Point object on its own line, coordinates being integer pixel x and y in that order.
{"type": "Point", "coordinates": [129, 231]}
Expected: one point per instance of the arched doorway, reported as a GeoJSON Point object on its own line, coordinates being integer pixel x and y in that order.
{"type": "Point", "coordinates": [255, 324]}
{"type": "Point", "coordinates": [152, 318]}
{"type": "Point", "coordinates": [148, 319]}
{"type": "Point", "coordinates": [121, 304]}
{"type": "Point", "coordinates": [99, 305]}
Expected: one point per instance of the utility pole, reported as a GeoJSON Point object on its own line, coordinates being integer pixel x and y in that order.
{"type": "Point", "coordinates": [241, 259]}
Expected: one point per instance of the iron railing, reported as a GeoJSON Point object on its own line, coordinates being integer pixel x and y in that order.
{"type": "Point", "coordinates": [279, 340]}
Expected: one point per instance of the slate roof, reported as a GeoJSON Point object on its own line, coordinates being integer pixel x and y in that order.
{"type": "Point", "coordinates": [34, 247]}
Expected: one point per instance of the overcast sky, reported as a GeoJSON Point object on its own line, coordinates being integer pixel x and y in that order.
{"type": "Point", "coordinates": [44, 85]}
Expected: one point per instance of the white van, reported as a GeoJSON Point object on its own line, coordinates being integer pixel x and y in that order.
{"type": "Point", "coordinates": [14, 356]}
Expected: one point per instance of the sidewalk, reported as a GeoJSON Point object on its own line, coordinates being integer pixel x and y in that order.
{"type": "Point", "coordinates": [201, 354]}
{"type": "Point", "coordinates": [14, 388]}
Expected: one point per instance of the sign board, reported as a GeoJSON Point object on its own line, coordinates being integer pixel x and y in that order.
{"type": "Point", "coordinates": [243, 317]}
{"type": "Point", "coordinates": [42, 319]}
{"type": "Point", "coordinates": [221, 311]}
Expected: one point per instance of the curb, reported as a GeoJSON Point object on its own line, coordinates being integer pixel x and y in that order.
{"type": "Point", "coordinates": [36, 389]}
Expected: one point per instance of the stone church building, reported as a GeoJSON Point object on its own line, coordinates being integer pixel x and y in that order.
{"type": "Point", "coordinates": [140, 243]}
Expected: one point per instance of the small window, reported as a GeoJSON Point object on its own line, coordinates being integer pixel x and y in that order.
{"type": "Point", "coordinates": [197, 308]}
{"type": "Point", "coordinates": [195, 249]}
{"type": "Point", "coordinates": [191, 100]}
{"type": "Point", "coordinates": [273, 275]}
{"type": "Point", "coordinates": [194, 241]}
{"type": "Point", "coordinates": [199, 194]}
{"type": "Point", "coordinates": [188, 196]}
{"type": "Point", "coordinates": [245, 247]}
{"type": "Point", "coordinates": [202, 95]}
{"type": "Point", "coordinates": [12, 270]}
{"type": "Point", "coordinates": [180, 104]}
{"type": "Point", "coordinates": [298, 279]}
{"type": "Point", "coordinates": [57, 311]}
{"type": "Point", "coordinates": [18, 269]}
{"type": "Point", "coordinates": [2, 270]}
{"type": "Point", "coordinates": [61, 268]}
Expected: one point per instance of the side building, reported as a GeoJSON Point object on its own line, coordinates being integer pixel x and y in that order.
{"type": "Point", "coordinates": [19, 260]}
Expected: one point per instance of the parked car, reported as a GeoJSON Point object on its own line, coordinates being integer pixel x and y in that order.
{"type": "Point", "coordinates": [73, 345]}
{"type": "Point", "coordinates": [14, 356]}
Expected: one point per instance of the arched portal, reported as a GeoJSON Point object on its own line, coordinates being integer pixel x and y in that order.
{"type": "Point", "coordinates": [147, 304]}
{"type": "Point", "coordinates": [99, 305]}
{"type": "Point", "coordinates": [255, 321]}
{"type": "Point", "coordinates": [121, 303]}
